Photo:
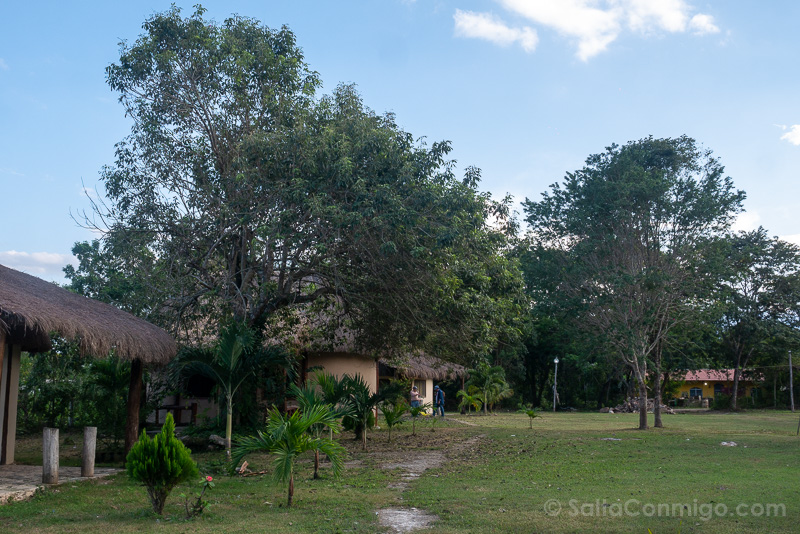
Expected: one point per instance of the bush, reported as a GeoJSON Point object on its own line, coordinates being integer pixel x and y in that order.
{"type": "Point", "coordinates": [160, 464]}
{"type": "Point", "coordinates": [721, 402]}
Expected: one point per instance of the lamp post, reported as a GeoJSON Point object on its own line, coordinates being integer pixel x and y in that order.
{"type": "Point", "coordinates": [791, 381]}
{"type": "Point", "coordinates": [555, 384]}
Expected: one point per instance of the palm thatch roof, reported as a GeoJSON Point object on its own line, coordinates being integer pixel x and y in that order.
{"type": "Point", "coordinates": [31, 309]}
{"type": "Point", "coordinates": [425, 366]}
{"type": "Point", "coordinates": [322, 332]}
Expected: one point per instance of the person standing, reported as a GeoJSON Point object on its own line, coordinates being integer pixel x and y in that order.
{"type": "Point", "coordinates": [438, 401]}
{"type": "Point", "coordinates": [414, 397]}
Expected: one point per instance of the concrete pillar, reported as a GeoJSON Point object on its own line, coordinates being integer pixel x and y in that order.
{"type": "Point", "coordinates": [50, 456]}
{"type": "Point", "coordinates": [87, 456]}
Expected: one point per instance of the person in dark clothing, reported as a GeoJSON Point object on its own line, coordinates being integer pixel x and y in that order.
{"type": "Point", "coordinates": [438, 401]}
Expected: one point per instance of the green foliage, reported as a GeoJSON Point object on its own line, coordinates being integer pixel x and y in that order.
{"type": "Point", "coordinates": [393, 414]}
{"type": "Point", "coordinates": [52, 388]}
{"type": "Point", "coordinates": [395, 391]}
{"type": "Point", "coordinates": [626, 245]}
{"type": "Point", "coordinates": [309, 398]}
{"type": "Point", "coordinates": [759, 300]}
{"type": "Point", "coordinates": [215, 201]}
{"type": "Point", "coordinates": [362, 404]}
{"type": "Point", "coordinates": [108, 381]}
{"type": "Point", "coordinates": [62, 389]}
{"type": "Point", "coordinates": [197, 507]}
{"type": "Point", "coordinates": [232, 362]}
{"type": "Point", "coordinates": [288, 436]}
{"type": "Point", "coordinates": [721, 402]}
{"type": "Point", "coordinates": [160, 464]}
{"type": "Point", "coordinates": [469, 401]}
{"type": "Point", "coordinates": [417, 411]}
{"type": "Point", "coordinates": [490, 382]}
{"type": "Point", "coordinates": [531, 413]}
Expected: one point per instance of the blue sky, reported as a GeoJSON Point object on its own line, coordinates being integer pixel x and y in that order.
{"type": "Point", "coordinates": [524, 89]}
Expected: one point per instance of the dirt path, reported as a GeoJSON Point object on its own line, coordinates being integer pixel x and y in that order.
{"type": "Point", "coordinates": [400, 519]}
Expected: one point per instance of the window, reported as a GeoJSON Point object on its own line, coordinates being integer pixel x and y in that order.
{"type": "Point", "coordinates": [421, 388]}
{"type": "Point", "coordinates": [755, 393]}
{"type": "Point", "coordinates": [695, 392]}
{"type": "Point", "coordinates": [718, 389]}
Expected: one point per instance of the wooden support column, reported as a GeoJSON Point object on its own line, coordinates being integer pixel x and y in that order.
{"type": "Point", "coordinates": [2, 397]}
{"type": "Point", "coordinates": [134, 400]}
{"type": "Point", "coordinates": [87, 455]}
{"type": "Point", "coordinates": [9, 393]}
{"type": "Point", "coordinates": [50, 456]}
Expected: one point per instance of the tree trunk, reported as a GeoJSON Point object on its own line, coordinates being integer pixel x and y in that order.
{"type": "Point", "coordinates": [229, 426]}
{"type": "Point", "coordinates": [657, 404]}
{"type": "Point", "coordinates": [737, 373]}
{"type": "Point", "coordinates": [316, 464]}
{"type": "Point", "coordinates": [657, 388]}
{"type": "Point", "coordinates": [364, 435]}
{"type": "Point", "coordinates": [291, 490]}
{"type": "Point", "coordinates": [134, 400]}
{"type": "Point", "coordinates": [642, 404]}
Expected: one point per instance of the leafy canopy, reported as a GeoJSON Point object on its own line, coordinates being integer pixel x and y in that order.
{"type": "Point", "coordinates": [239, 192]}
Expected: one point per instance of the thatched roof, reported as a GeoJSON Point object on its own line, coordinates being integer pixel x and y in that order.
{"type": "Point", "coordinates": [424, 366]}
{"type": "Point", "coordinates": [30, 309]}
{"type": "Point", "coordinates": [323, 333]}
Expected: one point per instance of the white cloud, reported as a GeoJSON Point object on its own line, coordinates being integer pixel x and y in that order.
{"type": "Point", "coordinates": [746, 222]}
{"type": "Point", "coordinates": [486, 26]}
{"type": "Point", "coordinates": [703, 24]}
{"type": "Point", "coordinates": [794, 239]}
{"type": "Point", "coordinates": [646, 16]}
{"type": "Point", "coordinates": [47, 265]}
{"type": "Point", "coordinates": [594, 24]}
{"type": "Point", "coordinates": [10, 171]}
{"type": "Point", "coordinates": [793, 135]}
{"type": "Point", "coordinates": [3, 64]}
{"type": "Point", "coordinates": [593, 28]}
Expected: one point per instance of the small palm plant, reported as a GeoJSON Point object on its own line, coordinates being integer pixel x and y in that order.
{"type": "Point", "coordinates": [393, 414]}
{"type": "Point", "coordinates": [415, 412]}
{"type": "Point", "coordinates": [469, 401]}
{"type": "Point", "coordinates": [308, 397]}
{"type": "Point", "coordinates": [333, 392]}
{"type": "Point", "coordinates": [228, 364]}
{"type": "Point", "coordinates": [362, 402]}
{"type": "Point", "coordinates": [287, 437]}
{"type": "Point", "coordinates": [531, 413]}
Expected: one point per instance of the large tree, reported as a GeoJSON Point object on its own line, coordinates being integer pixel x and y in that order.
{"type": "Point", "coordinates": [629, 234]}
{"type": "Point", "coordinates": [758, 298]}
{"type": "Point", "coordinates": [248, 196]}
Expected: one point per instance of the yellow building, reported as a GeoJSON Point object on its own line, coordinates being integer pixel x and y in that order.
{"type": "Point", "coordinates": [709, 383]}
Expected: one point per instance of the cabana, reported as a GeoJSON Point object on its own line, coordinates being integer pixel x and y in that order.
{"type": "Point", "coordinates": [31, 309]}
{"type": "Point", "coordinates": [422, 370]}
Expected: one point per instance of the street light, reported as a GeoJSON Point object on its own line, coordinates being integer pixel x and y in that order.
{"type": "Point", "coordinates": [555, 385]}
{"type": "Point", "coordinates": [791, 381]}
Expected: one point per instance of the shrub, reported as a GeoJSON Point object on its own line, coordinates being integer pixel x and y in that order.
{"type": "Point", "coordinates": [721, 402]}
{"type": "Point", "coordinates": [160, 464]}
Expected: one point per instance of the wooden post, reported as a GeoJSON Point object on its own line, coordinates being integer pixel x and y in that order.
{"type": "Point", "coordinates": [87, 456]}
{"type": "Point", "coordinates": [134, 399]}
{"type": "Point", "coordinates": [50, 456]}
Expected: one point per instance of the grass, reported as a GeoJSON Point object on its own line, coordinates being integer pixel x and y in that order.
{"type": "Point", "coordinates": [499, 481]}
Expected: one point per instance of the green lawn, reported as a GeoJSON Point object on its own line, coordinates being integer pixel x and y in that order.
{"type": "Point", "coordinates": [499, 477]}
